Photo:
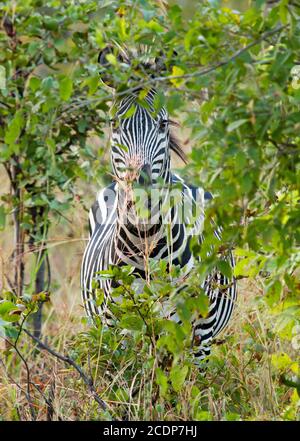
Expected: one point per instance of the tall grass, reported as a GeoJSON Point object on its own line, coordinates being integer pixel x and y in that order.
{"type": "Point", "coordinates": [241, 380]}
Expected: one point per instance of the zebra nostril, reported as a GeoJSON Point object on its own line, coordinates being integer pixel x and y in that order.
{"type": "Point", "coordinates": [145, 177]}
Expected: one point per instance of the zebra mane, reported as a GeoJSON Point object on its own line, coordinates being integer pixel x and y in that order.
{"type": "Point", "coordinates": [174, 143]}
{"type": "Point", "coordinates": [175, 147]}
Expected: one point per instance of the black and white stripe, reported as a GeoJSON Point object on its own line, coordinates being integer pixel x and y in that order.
{"type": "Point", "coordinates": [138, 141]}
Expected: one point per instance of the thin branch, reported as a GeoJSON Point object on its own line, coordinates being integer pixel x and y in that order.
{"type": "Point", "coordinates": [198, 73]}
{"type": "Point", "coordinates": [47, 401]}
{"type": "Point", "coordinates": [141, 315]}
{"type": "Point", "coordinates": [66, 359]}
{"type": "Point", "coordinates": [209, 69]}
{"type": "Point", "coordinates": [29, 382]}
{"type": "Point", "coordinates": [8, 171]}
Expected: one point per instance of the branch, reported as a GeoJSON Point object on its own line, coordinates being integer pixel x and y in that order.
{"type": "Point", "coordinates": [209, 69]}
{"type": "Point", "coordinates": [198, 73]}
{"type": "Point", "coordinates": [65, 358]}
{"type": "Point", "coordinates": [29, 382]}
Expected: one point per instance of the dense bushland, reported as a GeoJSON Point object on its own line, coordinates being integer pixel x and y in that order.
{"type": "Point", "coordinates": [232, 81]}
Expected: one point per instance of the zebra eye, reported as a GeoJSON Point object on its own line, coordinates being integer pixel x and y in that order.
{"type": "Point", "coordinates": [163, 124]}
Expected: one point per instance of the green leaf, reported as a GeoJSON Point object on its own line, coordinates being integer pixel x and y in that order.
{"type": "Point", "coordinates": [11, 331]}
{"type": "Point", "coordinates": [224, 268]}
{"type": "Point", "coordinates": [177, 71]}
{"type": "Point", "coordinates": [2, 217]}
{"type": "Point", "coordinates": [64, 46]}
{"type": "Point", "coordinates": [235, 124]}
{"type": "Point", "coordinates": [93, 84]}
{"type": "Point", "coordinates": [99, 38]}
{"type": "Point", "coordinates": [111, 59]}
{"type": "Point", "coordinates": [178, 375]}
{"type": "Point", "coordinates": [154, 26]}
{"type": "Point", "coordinates": [3, 325]}
{"type": "Point", "coordinates": [14, 128]}
{"type": "Point", "coordinates": [162, 381]}
{"type": "Point", "coordinates": [202, 302]}
{"type": "Point", "coordinates": [246, 183]}
{"type": "Point", "coordinates": [34, 83]}
{"type": "Point", "coordinates": [9, 311]}
{"type": "Point", "coordinates": [130, 112]}
{"type": "Point", "coordinates": [273, 292]}
{"type": "Point", "coordinates": [203, 415]}
{"type": "Point", "coordinates": [51, 144]}
{"type": "Point", "coordinates": [133, 322]}
{"type": "Point", "coordinates": [65, 88]}
{"type": "Point", "coordinates": [281, 361]}
{"type": "Point", "coordinates": [283, 11]}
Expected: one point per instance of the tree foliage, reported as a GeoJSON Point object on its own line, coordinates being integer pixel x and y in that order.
{"type": "Point", "coordinates": [232, 79]}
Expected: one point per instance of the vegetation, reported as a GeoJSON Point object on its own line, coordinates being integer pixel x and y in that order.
{"type": "Point", "coordinates": [231, 78]}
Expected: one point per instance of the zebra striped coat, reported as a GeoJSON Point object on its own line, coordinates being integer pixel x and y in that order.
{"type": "Point", "coordinates": [119, 236]}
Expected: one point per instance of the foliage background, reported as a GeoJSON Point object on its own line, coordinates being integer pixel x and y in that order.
{"type": "Point", "coordinates": [231, 80]}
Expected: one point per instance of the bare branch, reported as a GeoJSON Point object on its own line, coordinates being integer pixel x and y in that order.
{"type": "Point", "coordinates": [66, 359]}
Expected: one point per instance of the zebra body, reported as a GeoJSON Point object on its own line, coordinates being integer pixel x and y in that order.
{"type": "Point", "coordinates": [118, 236]}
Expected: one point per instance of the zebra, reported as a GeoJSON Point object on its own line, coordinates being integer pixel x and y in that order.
{"type": "Point", "coordinates": [141, 145]}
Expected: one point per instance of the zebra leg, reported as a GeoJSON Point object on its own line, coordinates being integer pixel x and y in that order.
{"type": "Point", "coordinates": [202, 340]}
{"type": "Point", "coordinates": [201, 358]}
{"type": "Point", "coordinates": [203, 330]}
{"type": "Point", "coordinates": [222, 295]}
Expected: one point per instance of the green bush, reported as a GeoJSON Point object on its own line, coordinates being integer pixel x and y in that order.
{"type": "Point", "coordinates": [232, 79]}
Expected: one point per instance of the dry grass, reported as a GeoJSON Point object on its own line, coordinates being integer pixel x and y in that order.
{"type": "Point", "coordinates": [240, 381]}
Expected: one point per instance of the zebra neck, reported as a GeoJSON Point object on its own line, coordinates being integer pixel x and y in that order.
{"type": "Point", "coordinates": [164, 238]}
{"type": "Point", "coordinates": [137, 235]}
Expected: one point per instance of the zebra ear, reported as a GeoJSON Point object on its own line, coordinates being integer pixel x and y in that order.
{"type": "Point", "coordinates": [106, 65]}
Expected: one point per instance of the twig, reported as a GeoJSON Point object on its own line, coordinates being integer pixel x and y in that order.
{"type": "Point", "coordinates": [50, 408]}
{"type": "Point", "coordinates": [65, 358]}
{"type": "Point", "coordinates": [209, 69]}
{"type": "Point", "coordinates": [29, 382]}
{"type": "Point", "coordinates": [197, 73]}
{"type": "Point", "coordinates": [141, 315]}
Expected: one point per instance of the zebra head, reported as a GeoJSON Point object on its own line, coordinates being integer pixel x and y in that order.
{"type": "Point", "coordinates": [140, 135]}
{"type": "Point", "coordinates": [140, 142]}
